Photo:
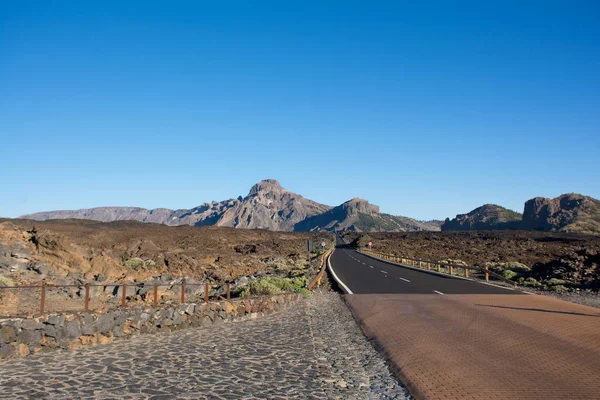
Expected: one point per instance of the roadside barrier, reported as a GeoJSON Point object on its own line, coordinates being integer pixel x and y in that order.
{"type": "Point", "coordinates": [120, 290]}
{"type": "Point", "coordinates": [440, 267]}
{"type": "Point", "coordinates": [316, 281]}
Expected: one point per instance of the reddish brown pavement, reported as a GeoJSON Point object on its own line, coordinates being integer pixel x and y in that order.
{"type": "Point", "coordinates": [485, 346]}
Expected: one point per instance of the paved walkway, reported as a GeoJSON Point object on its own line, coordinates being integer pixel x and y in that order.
{"type": "Point", "coordinates": [486, 346]}
{"type": "Point", "coordinates": [314, 350]}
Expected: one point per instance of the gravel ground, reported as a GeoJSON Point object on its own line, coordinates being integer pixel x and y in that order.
{"type": "Point", "coordinates": [590, 299]}
{"type": "Point", "coordinates": [351, 365]}
{"type": "Point", "coordinates": [314, 350]}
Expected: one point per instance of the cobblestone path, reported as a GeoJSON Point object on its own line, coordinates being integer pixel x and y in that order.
{"type": "Point", "coordinates": [314, 350]}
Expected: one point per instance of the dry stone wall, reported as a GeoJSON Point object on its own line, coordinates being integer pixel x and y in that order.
{"type": "Point", "coordinates": [20, 337]}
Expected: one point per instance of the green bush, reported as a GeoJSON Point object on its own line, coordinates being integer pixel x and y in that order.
{"type": "Point", "coordinates": [508, 274]}
{"type": "Point", "coordinates": [296, 273]}
{"type": "Point", "coordinates": [531, 282]}
{"type": "Point", "coordinates": [555, 282]}
{"type": "Point", "coordinates": [6, 281]}
{"type": "Point", "coordinates": [134, 263]}
{"type": "Point", "coordinates": [511, 265]}
{"type": "Point", "coordinates": [137, 263]}
{"type": "Point", "coordinates": [274, 286]}
{"type": "Point", "coordinates": [559, 288]}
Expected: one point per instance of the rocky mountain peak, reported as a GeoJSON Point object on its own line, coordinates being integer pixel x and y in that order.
{"type": "Point", "coordinates": [266, 185]}
{"type": "Point", "coordinates": [360, 205]}
{"type": "Point", "coordinates": [487, 216]}
{"type": "Point", "coordinates": [569, 212]}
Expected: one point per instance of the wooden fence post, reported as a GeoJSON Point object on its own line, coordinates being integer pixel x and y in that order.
{"type": "Point", "coordinates": [124, 297]}
{"type": "Point", "coordinates": [87, 296]}
{"type": "Point", "coordinates": [43, 300]}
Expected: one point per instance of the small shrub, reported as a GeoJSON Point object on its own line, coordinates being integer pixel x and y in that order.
{"type": "Point", "coordinates": [559, 288]}
{"type": "Point", "coordinates": [274, 286]}
{"type": "Point", "coordinates": [134, 263]}
{"type": "Point", "coordinates": [555, 282]}
{"type": "Point", "coordinates": [508, 274]}
{"type": "Point", "coordinates": [511, 265]}
{"type": "Point", "coordinates": [531, 282]}
{"type": "Point", "coordinates": [6, 281]}
{"type": "Point", "coordinates": [296, 273]}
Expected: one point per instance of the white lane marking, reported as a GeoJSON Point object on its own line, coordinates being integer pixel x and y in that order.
{"type": "Point", "coordinates": [371, 266]}
{"type": "Point", "coordinates": [364, 264]}
{"type": "Point", "coordinates": [338, 280]}
{"type": "Point", "coordinates": [438, 292]}
{"type": "Point", "coordinates": [384, 271]}
{"type": "Point", "coordinates": [405, 280]}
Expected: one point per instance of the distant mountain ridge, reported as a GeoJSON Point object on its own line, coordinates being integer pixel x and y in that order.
{"type": "Point", "coordinates": [567, 213]}
{"type": "Point", "coordinates": [267, 206]}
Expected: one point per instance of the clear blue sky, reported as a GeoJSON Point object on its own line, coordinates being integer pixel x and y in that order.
{"type": "Point", "coordinates": [427, 110]}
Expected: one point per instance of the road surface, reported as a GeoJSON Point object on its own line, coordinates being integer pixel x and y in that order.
{"type": "Point", "coordinates": [450, 338]}
{"type": "Point", "coordinates": [363, 274]}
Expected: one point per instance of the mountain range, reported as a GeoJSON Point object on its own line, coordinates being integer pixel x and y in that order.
{"type": "Point", "coordinates": [569, 212]}
{"type": "Point", "coordinates": [267, 206]}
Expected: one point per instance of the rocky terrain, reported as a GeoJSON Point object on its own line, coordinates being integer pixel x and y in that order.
{"type": "Point", "coordinates": [82, 251]}
{"type": "Point", "coordinates": [488, 216]}
{"type": "Point", "coordinates": [540, 260]}
{"type": "Point", "coordinates": [567, 213]}
{"type": "Point", "coordinates": [267, 206]}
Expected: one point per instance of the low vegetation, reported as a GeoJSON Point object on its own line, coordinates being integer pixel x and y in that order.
{"type": "Point", "coordinates": [273, 286]}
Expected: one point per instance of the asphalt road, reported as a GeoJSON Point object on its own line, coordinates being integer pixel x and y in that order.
{"type": "Point", "coordinates": [366, 275]}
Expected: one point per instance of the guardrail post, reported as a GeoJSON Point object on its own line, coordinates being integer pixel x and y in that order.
{"type": "Point", "coordinates": [228, 291]}
{"type": "Point", "coordinates": [487, 275]}
{"type": "Point", "coordinates": [428, 266]}
{"type": "Point", "coordinates": [87, 296]}
{"type": "Point", "coordinates": [43, 299]}
{"type": "Point", "coordinates": [155, 300]}
{"type": "Point", "coordinates": [451, 269]}
{"type": "Point", "coordinates": [466, 272]}
{"type": "Point", "coordinates": [182, 292]}
{"type": "Point", "coordinates": [206, 292]}
{"type": "Point", "coordinates": [124, 297]}
{"type": "Point", "coordinates": [439, 267]}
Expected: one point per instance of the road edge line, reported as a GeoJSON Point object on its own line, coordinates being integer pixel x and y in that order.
{"type": "Point", "coordinates": [335, 277]}
{"type": "Point", "coordinates": [440, 273]}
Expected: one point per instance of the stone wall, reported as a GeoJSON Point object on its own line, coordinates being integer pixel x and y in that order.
{"type": "Point", "coordinates": [20, 337]}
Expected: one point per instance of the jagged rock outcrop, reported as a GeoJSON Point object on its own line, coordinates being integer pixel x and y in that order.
{"type": "Point", "coordinates": [267, 206]}
{"type": "Point", "coordinates": [566, 213]}
{"type": "Point", "coordinates": [359, 215]}
{"type": "Point", "coordinates": [486, 217]}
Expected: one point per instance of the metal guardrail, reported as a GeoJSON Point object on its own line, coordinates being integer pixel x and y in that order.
{"type": "Point", "coordinates": [438, 265]}
{"type": "Point", "coordinates": [317, 279]}
{"type": "Point", "coordinates": [86, 298]}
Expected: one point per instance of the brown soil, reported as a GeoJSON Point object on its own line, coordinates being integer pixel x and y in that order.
{"type": "Point", "coordinates": [113, 249]}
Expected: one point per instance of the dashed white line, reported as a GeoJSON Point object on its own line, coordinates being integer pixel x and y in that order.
{"type": "Point", "coordinates": [384, 271]}
{"type": "Point", "coordinates": [405, 280]}
{"type": "Point", "coordinates": [438, 292]}
{"type": "Point", "coordinates": [371, 266]}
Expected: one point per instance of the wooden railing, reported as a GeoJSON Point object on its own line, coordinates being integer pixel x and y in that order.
{"type": "Point", "coordinates": [438, 266]}
{"type": "Point", "coordinates": [316, 281]}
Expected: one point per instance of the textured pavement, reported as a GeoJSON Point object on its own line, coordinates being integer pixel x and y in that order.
{"type": "Point", "coordinates": [485, 346]}
{"type": "Point", "coordinates": [314, 350]}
